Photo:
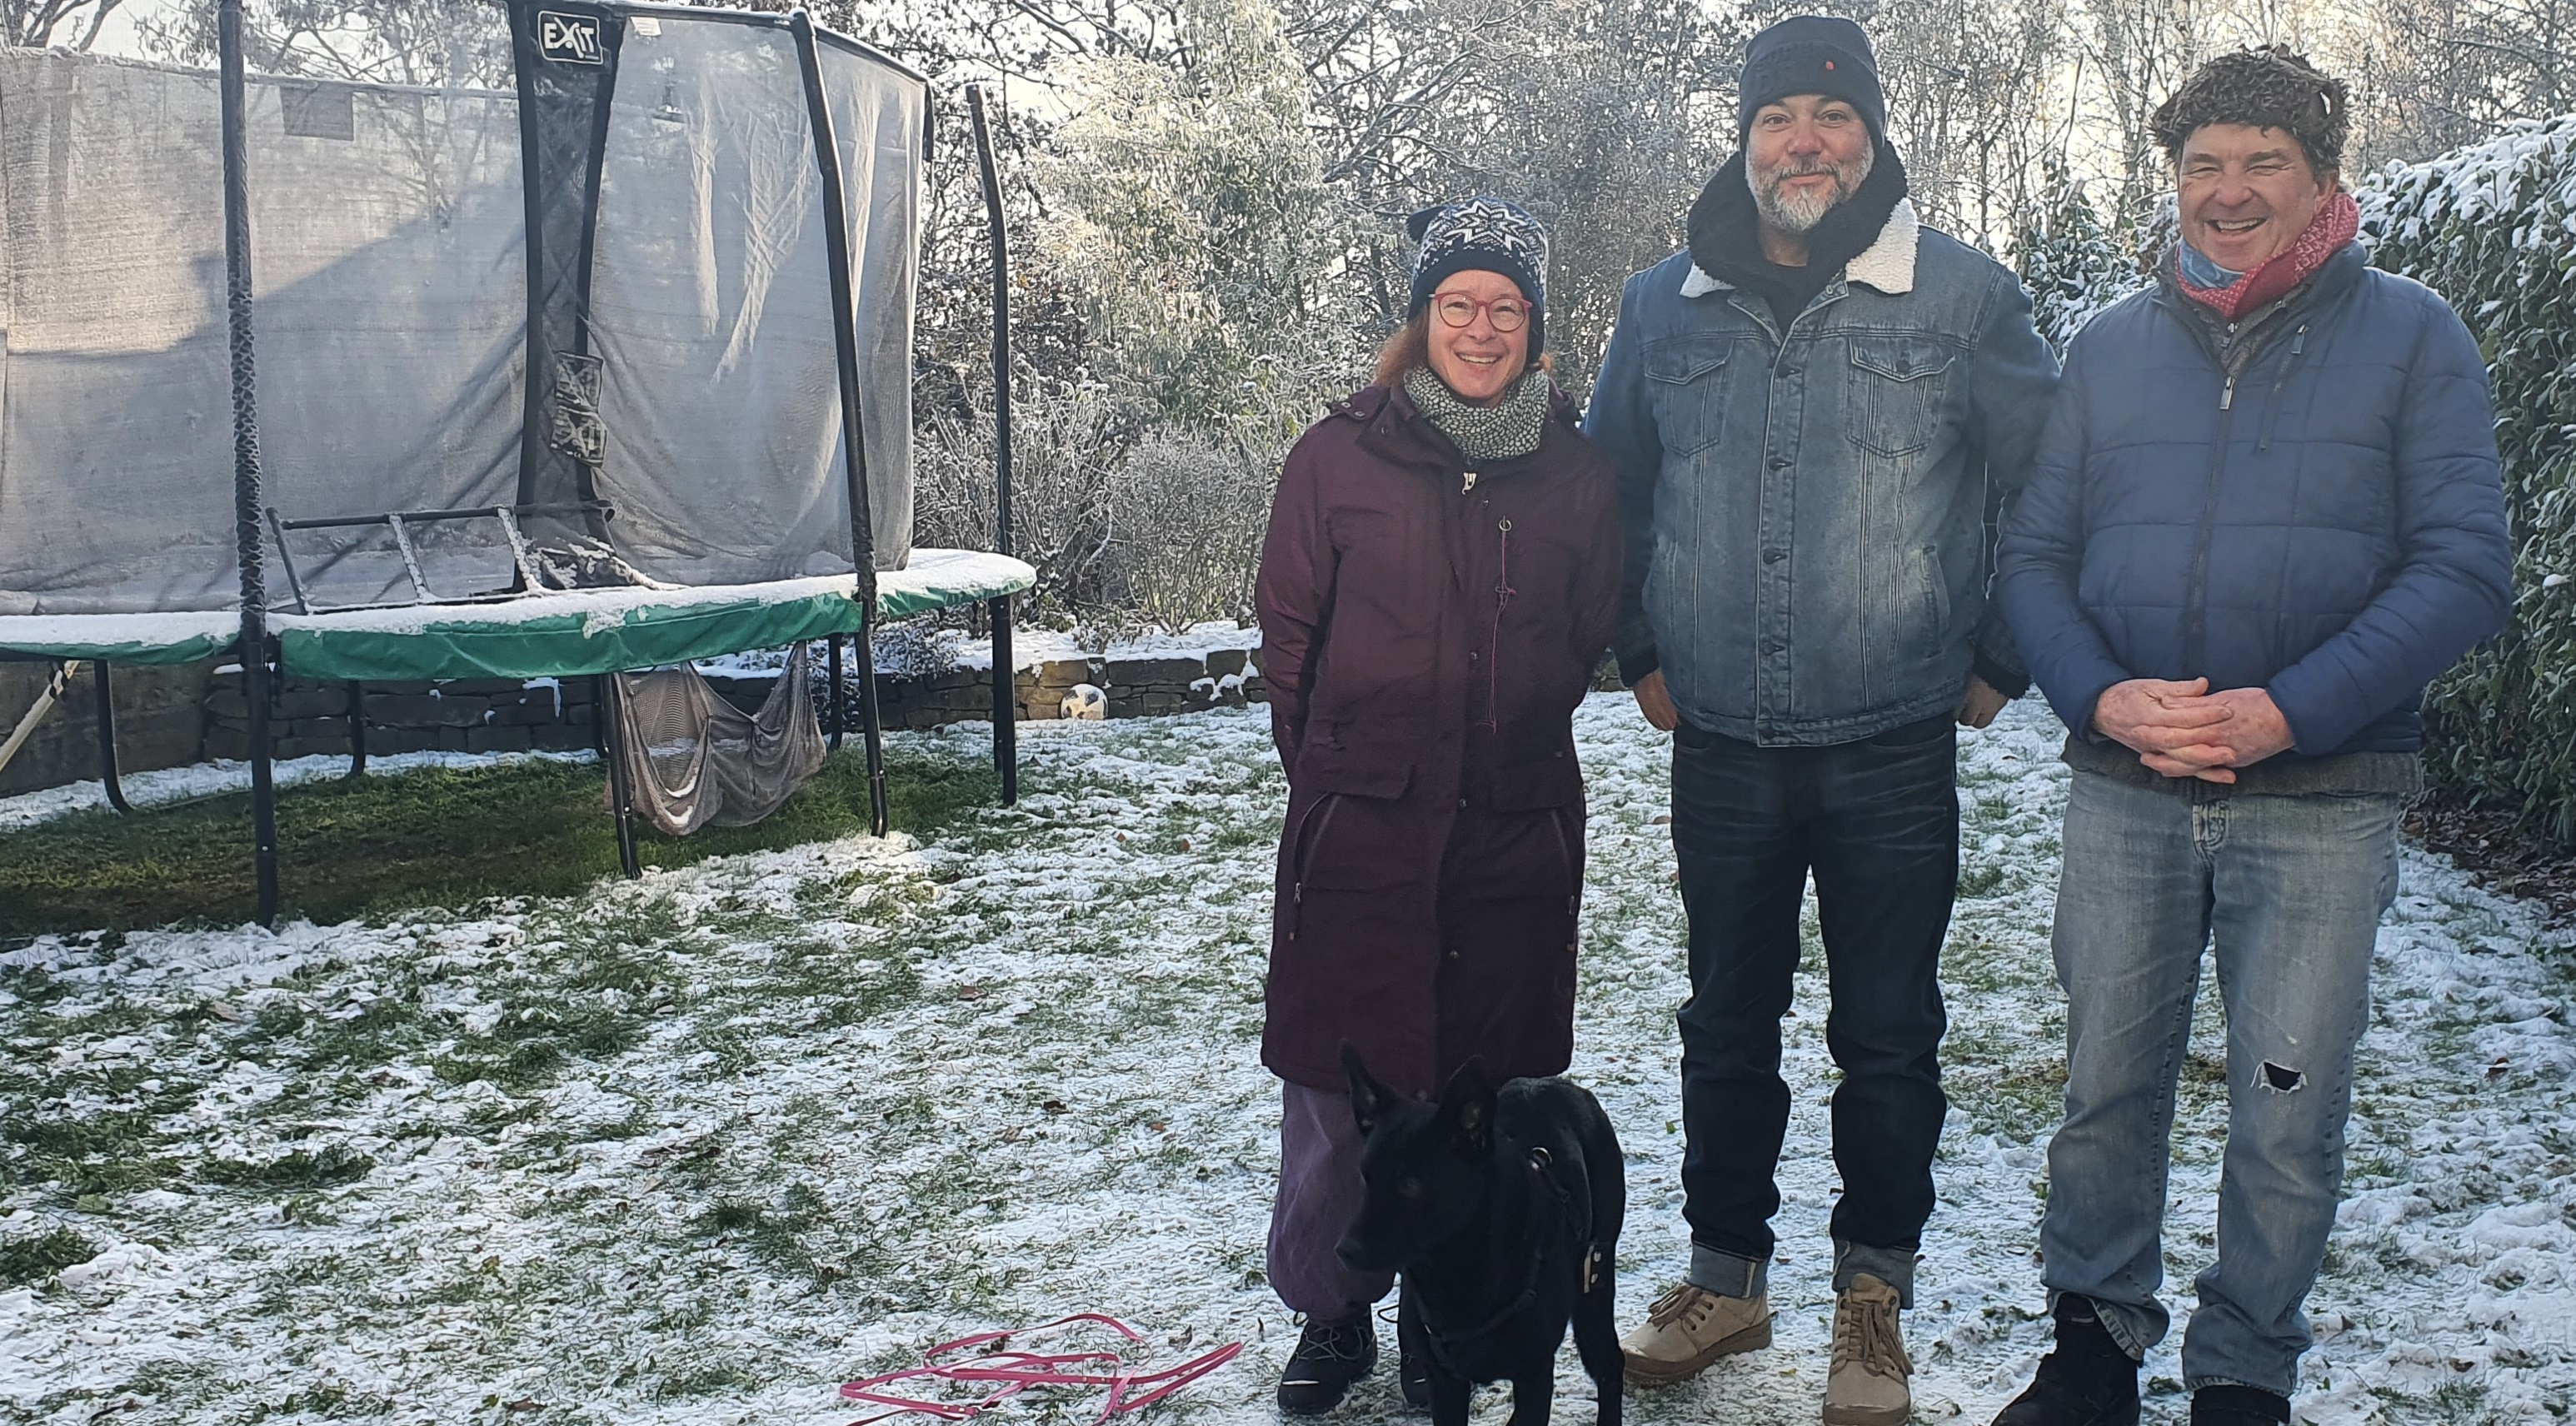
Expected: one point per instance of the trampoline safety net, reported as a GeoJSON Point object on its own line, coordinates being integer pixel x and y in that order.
{"type": "Point", "coordinates": [602, 300]}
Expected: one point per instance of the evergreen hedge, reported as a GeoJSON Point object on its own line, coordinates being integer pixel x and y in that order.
{"type": "Point", "coordinates": [2493, 228]}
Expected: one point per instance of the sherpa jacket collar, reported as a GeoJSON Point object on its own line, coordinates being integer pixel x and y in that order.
{"type": "Point", "coordinates": [1886, 264]}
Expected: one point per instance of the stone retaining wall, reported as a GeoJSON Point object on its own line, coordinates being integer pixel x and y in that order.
{"type": "Point", "coordinates": [484, 715]}
{"type": "Point", "coordinates": [1136, 688]}
{"type": "Point", "coordinates": [160, 722]}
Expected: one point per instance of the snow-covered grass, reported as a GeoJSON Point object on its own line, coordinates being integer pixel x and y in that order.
{"type": "Point", "coordinates": [696, 1148]}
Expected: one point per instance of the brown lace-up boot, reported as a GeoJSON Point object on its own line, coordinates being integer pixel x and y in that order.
{"type": "Point", "coordinates": [1867, 1385]}
{"type": "Point", "coordinates": [1690, 1327]}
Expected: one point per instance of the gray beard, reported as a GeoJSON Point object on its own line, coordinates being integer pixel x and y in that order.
{"type": "Point", "coordinates": [1798, 214]}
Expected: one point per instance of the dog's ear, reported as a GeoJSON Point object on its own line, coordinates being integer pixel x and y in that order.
{"type": "Point", "coordinates": [1369, 1099]}
{"type": "Point", "coordinates": [1468, 1105]}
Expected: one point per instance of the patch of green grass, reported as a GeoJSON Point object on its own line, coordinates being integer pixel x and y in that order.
{"type": "Point", "coordinates": [37, 1256]}
{"type": "Point", "coordinates": [704, 1380]}
{"type": "Point", "coordinates": [304, 1169]}
{"type": "Point", "coordinates": [91, 1154]}
{"type": "Point", "coordinates": [777, 1232]}
{"type": "Point", "coordinates": [432, 836]}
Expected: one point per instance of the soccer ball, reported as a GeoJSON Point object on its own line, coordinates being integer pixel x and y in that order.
{"type": "Point", "coordinates": [1086, 701]}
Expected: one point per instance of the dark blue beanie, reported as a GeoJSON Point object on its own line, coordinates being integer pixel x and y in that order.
{"type": "Point", "coordinates": [1810, 54]}
{"type": "Point", "coordinates": [1481, 234]}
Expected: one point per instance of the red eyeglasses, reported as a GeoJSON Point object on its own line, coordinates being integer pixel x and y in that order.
{"type": "Point", "coordinates": [1457, 309]}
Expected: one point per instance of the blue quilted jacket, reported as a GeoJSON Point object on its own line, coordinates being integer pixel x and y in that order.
{"type": "Point", "coordinates": [2310, 505]}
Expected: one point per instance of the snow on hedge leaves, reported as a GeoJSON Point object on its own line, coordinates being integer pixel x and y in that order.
{"type": "Point", "coordinates": [2492, 227]}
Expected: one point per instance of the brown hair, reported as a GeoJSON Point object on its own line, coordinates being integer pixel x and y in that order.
{"type": "Point", "coordinates": [1410, 347]}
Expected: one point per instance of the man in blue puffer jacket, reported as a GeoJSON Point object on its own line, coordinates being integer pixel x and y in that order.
{"type": "Point", "coordinates": [2264, 514]}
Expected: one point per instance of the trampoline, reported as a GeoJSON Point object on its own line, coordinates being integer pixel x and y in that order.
{"type": "Point", "coordinates": [606, 371]}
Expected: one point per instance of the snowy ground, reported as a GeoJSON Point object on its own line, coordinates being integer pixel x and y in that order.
{"type": "Point", "coordinates": [697, 1148]}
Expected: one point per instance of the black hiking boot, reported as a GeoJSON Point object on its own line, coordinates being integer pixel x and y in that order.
{"type": "Point", "coordinates": [2238, 1406]}
{"type": "Point", "coordinates": [2090, 1380]}
{"type": "Point", "coordinates": [1329, 1357]}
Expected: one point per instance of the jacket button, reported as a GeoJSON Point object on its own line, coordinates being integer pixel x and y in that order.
{"type": "Point", "coordinates": [1471, 656]}
{"type": "Point", "coordinates": [1779, 462]}
{"type": "Point", "coordinates": [1774, 556]}
{"type": "Point", "coordinates": [1453, 953]}
{"type": "Point", "coordinates": [1462, 803]}
{"type": "Point", "coordinates": [1771, 646]}
{"type": "Point", "coordinates": [1788, 371]}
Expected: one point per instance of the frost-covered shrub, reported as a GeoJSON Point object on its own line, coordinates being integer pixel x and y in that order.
{"type": "Point", "coordinates": [1191, 516]}
{"type": "Point", "coordinates": [1065, 446]}
{"type": "Point", "coordinates": [2493, 228]}
{"type": "Point", "coordinates": [2074, 264]}
{"type": "Point", "coordinates": [1129, 522]}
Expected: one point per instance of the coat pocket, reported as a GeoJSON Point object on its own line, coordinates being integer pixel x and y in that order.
{"type": "Point", "coordinates": [1894, 391]}
{"type": "Point", "coordinates": [1359, 834]}
{"type": "Point", "coordinates": [1685, 384]}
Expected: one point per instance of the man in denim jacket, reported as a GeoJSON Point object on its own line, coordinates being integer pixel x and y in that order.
{"type": "Point", "coordinates": [1810, 409]}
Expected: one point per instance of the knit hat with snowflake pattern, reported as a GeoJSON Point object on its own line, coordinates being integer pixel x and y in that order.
{"type": "Point", "coordinates": [1481, 234]}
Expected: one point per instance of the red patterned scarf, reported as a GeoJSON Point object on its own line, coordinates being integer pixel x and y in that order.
{"type": "Point", "coordinates": [2335, 225]}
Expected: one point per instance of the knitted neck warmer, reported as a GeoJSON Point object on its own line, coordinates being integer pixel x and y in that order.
{"type": "Point", "coordinates": [2335, 225]}
{"type": "Point", "coordinates": [1510, 427]}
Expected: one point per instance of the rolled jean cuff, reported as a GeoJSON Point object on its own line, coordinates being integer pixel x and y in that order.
{"type": "Point", "coordinates": [1728, 1274]}
{"type": "Point", "coordinates": [1893, 1266]}
{"type": "Point", "coordinates": [2135, 1330]}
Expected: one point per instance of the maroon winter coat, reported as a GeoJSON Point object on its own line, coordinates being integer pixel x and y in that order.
{"type": "Point", "coordinates": [1426, 639]}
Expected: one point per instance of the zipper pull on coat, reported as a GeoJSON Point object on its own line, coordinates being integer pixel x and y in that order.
{"type": "Point", "coordinates": [2227, 396]}
{"type": "Point", "coordinates": [1469, 477]}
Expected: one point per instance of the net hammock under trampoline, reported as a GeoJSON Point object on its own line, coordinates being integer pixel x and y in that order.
{"type": "Point", "coordinates": [694, 760]}
{"type": "Point", "coordinates": [602, 371]}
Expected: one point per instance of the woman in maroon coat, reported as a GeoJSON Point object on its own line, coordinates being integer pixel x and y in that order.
{"type": "Point", "coordinates": [1440, 579]}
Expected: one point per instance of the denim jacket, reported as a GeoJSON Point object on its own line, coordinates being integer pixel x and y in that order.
{"type": "Point", "coordinates": [1806, 513]}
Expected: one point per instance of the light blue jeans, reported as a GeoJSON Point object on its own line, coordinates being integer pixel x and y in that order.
{"type": "Point", "coordinates": [2288, 890]}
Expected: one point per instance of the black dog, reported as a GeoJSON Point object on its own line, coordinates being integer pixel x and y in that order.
{"type": "Point", "coordinates": [1501, 1208]}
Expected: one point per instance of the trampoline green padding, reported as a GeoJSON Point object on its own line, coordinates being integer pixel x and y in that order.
{"type": "Point", "coordinates": [120, 638]}
{"type": "Point", "coordinates": [554, 635]}
{"type": "Point", "coordinates": [595, 631]}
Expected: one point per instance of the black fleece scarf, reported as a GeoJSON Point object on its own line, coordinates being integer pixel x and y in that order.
{"type": "Point", "coordinates": [1726, 239]}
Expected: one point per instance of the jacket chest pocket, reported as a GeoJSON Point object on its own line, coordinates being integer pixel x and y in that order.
{"type": "Point", "coordinates": [1894, 393]}
{"type": "Point", "coordinates": [1685, 382]}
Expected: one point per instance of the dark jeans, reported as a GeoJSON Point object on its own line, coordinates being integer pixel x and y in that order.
{"type": "Point", "coordinates": [1877, 822]}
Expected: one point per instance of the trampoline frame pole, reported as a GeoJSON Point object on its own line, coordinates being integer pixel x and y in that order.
{"type": "Point", "coordinates": [107, 773]}
{"type": "Point", "coordinates": [1006, 673]}
{"type": "Point", "coordinates": [608, 705]}
{"type": "Point", "coordinates": [357, 729]}
{"type": "Point", "coordinates": [255, 653]}
{"type": "Point", "coordinates": [845, 340]}
{"type": "Point", "coordinates": [832, 674]}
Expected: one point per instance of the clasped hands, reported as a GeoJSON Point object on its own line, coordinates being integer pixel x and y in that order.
{"type": "Point", "coordinates": [2184, 730]}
